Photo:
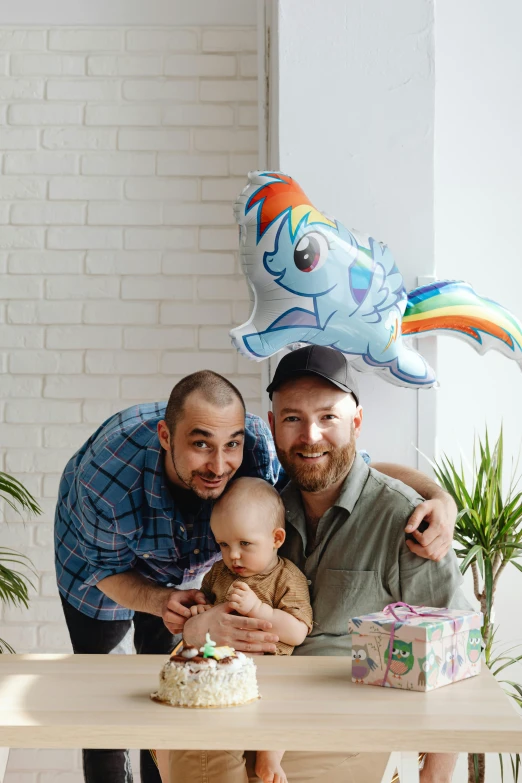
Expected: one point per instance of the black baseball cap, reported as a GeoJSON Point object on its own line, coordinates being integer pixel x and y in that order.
{"type": "Point", "coordinates": [328, 363]}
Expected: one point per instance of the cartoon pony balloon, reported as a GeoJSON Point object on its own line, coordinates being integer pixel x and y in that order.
{"type": "Point", "coordinates": [314, 281]}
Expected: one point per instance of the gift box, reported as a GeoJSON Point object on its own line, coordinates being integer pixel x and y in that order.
{"type": "Point", "coordinates": [417, 648]}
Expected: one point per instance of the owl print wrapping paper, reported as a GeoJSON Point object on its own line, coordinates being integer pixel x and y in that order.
{"type": "Point", "coordinates": [417, 648]}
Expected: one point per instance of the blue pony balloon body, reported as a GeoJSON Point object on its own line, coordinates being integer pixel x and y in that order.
{"type": "Point", "coordinates": [347, 291]}
{"type": "Point", "coordinates": [358, 298]}
{"type": "Point", "coordinates": [314, 281]}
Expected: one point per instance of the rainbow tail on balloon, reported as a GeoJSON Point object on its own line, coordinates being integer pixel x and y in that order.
{"type": "Point", "coordinates": [453, 306]}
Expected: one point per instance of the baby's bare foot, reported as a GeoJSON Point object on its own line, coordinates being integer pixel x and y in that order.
{"type": "Point", "coordinates": [268, 766]}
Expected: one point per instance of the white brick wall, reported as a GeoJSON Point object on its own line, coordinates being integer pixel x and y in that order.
{"type": "Point", "coordinates": [121, 152]}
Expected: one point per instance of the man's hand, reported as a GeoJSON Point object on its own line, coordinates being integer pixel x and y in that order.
{"type": "Point", "coordinates": [242, 598]}
{"type": "Point", "coordinates": [436, 541]}
{"type": "Point", "coordinates": [439, 510]}
{"type": "Point", "coordinates": [175, 610]}
{"type": "Point", "coordinates": [243, 633]}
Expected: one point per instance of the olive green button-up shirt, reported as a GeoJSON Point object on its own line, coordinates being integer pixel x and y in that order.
{"type": "Point", "coordinates": [361, 562]}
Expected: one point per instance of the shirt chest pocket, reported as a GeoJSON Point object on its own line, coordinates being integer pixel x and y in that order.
{"type": "Point", "coordinates": [340, 595]}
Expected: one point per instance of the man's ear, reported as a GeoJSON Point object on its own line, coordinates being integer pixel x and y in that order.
{"type": "Point", "coordinates": [357, 420]}
{"type": "Point", "coordinates": [164, 435]}
{"type": "Point", "coordinates": [271, 422]}
{"type": "Point", "coordinates": [279, 537]}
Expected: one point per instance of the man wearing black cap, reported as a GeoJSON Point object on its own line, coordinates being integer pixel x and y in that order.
{"type": "Point", "coordinates": [345, 531]}
{"type": "Point", "coordinates": [332, 365]}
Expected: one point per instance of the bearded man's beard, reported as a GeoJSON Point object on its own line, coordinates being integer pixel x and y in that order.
{"type": "Point", "coordinates": [315, 478]}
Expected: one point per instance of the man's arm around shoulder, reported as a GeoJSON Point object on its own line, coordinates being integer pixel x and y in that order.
{"type": "Point", "coordinates": [438, 510]}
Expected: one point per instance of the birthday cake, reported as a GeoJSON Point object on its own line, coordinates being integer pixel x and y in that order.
{"type": "Point", "coordinates": [209, 677]}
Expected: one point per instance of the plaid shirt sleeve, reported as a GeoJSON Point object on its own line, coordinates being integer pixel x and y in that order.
{"type": "Point", "coordinates": [259, 458]}
{"type": "Point", "coordinates": [106, 550]}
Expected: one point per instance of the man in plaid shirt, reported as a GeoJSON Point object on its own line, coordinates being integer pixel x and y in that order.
{"type": "Point", "coordinates": [132, 532]}
{"type": "Point", "coordinates": [132, 526]}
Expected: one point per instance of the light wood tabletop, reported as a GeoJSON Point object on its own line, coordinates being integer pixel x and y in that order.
{"type": "Point", "coordinates": [308, 703]}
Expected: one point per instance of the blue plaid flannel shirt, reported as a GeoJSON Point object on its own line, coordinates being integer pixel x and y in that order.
{"type": "Point", "coordinates": [116, 513]}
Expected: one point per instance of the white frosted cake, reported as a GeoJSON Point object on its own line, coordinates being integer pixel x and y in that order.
{"type": "Point", "coordinates": [219, 677]}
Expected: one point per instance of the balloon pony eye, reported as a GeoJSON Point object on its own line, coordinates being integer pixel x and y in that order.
{"type": "Point", "coordinates": [311, 252]}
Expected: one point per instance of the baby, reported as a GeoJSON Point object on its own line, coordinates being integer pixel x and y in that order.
{"type": "Point", "coordinates": [248, 524]}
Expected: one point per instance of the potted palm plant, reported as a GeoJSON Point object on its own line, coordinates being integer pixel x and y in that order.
{"type": "Point", "coordinates": [488, 534]}
{"type": "Point", "coordinates": [14, 584]}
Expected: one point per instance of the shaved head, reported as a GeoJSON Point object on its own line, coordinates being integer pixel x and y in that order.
{"type": "Point", "coordinates": [213, 388]}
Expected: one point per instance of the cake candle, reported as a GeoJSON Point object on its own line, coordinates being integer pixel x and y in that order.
{"type": "Point", "coordinates": [208, 647]}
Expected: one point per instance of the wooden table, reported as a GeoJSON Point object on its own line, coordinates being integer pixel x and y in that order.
{"type": "Point", "coordinates": [308, 703]}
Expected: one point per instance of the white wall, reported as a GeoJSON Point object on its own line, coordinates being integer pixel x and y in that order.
{"type": "Point", "coordinates": [122, 149]}
{"type": "Point", "coordinates": [478, 204]}
{"type": "Point", "coordinates": [356, 114]}
{"type": "Point", "coordinates": [478, 187]}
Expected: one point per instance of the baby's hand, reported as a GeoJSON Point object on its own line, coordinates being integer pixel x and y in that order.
{"type": "Point", "coordinates": [199, 609]}
{"type": "Point", "coordinates": [268, 766]}
{"type": "Point", "coordinates": [241, 598]}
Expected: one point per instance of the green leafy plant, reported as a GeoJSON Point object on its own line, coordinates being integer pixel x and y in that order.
{"type": "Point", "coordinates": [14, 584]}
{"type": "Point", "coordinates": [488, 533]}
